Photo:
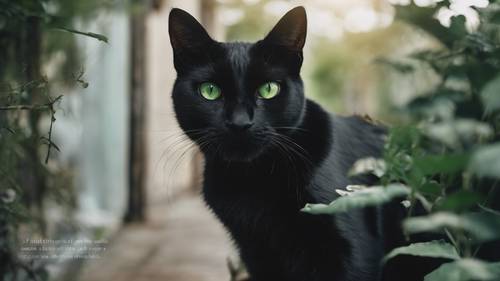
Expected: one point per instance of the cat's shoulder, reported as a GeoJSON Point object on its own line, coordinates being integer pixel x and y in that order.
{"type": "Point", "coordinates": [352, 124]}
{"type": "Point", "coordinates": [356, 125]}
{"type": "Point", "coordinates": [360, 133]}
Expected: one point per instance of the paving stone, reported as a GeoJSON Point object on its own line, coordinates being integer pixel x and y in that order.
{"type": "Point", "coordinates": [182, 242]}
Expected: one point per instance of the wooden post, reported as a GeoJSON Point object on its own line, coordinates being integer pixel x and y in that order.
{"type": "Point", "coordinates": [137, 203]}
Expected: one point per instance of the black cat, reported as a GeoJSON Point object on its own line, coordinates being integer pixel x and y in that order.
{"type": "Point", "coordinates": [269, 151]}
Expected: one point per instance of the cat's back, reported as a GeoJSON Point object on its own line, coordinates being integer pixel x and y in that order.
{"type": "Point", "coordinates": [358, 135]}
{"type": "Point", "coordinates": [352, 138]}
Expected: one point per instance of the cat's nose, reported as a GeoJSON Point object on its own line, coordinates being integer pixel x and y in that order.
{"type": "Point", "coordinates": [239, 121]}
{"type": "Point", "coordinates": [236, 125]}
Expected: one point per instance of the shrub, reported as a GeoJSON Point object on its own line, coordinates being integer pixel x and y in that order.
{"type": "Point", "coordinates": [446, 157]}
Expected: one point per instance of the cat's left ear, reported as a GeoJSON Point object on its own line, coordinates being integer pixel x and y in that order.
{"type": "Point", "coordinates": [290, 32]}
{"type": "Point", "coordinates": [186, 33]}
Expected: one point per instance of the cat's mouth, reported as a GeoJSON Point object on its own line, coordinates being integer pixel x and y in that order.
{"type": "Point", "coordinates": [243, 148]}
{"type": "Point", "coordinates": [234, 147]}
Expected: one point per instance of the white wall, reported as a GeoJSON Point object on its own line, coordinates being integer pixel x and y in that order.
{"type": "Point", "coordinates": [92, 127]}
{"type": "Point", "coordinates": [169, 169]}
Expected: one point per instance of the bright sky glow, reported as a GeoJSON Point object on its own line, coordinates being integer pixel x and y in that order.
{"type": "Point", "coordinates": [360, 20]}
{"type": "Point", "coordinates": [230, 16]}
{"type": "Point", "coordinates": [278, 8]}
{"type": "Point", "coordinates": [333, 18]}
{"type": "Point", "coordinates": [400, 2]}
{"type": "Point", "coordinates": [251, 2]}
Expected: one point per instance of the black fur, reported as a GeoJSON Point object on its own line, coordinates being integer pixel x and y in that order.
{"type": "Point", "coordinates": [256, 180]}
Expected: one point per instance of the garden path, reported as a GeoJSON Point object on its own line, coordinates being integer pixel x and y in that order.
{"type": "Point", "coordinates": [182, 241]}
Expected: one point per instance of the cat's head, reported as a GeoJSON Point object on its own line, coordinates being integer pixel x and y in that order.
{"type": "Point", "coordinates": [238, 99]}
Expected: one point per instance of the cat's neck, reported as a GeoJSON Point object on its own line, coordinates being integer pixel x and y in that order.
{"type": "Point", "coordinates": [314, 134]}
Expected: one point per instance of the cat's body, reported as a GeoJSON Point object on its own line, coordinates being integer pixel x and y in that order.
{"type": "Point", "coordinates": [269, 151]}
{"type": "Point", "coordinates": [260, 202]}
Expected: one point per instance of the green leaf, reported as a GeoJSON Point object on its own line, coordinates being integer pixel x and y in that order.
{"type": "Point", "coordinates": [366, 197]}
{"type": "Point", "coordinates": [404, 136]}
{"type": "Point", "coordinates": [454, 133]}
{"type": "Point", "coordinates": [460, 201]}
{"type": "Point", "coordinates": [490, 95]}
{"type": "Point", "coordinates": [434, 164]}
{"type": "Point", "coordinates": [495, 18]}
{"type": "Point", "coordinates": [440, 103]}
{"type": "Point", "coordinates": [434, 249]}
{"type": "Point", "coordinates": [489, 210]}
{"type": "Point", "coordinates": [457, 26]}
{"type": "Point", "coordinates": [97, 36]}
{"type": "Point", "coordinates": [431, 188]}
{"type": "Point", "coordinates": [479, 43]}
{"type": "Point", "coordinates": [485, 162]}
{"type": "Point", "coordinates": [482, 227]}
{"type": "Point", "coordinates": [399, 66]}
{"type": "Point", "coordinates": [465, 270]}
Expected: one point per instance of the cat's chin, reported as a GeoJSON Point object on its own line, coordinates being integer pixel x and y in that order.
{"type": "Point", "coordinates": [238, 148]}
{"type": "Point", "coordinates": [240, 156]}
{"type": "Point", "coordinates": [239, 152]}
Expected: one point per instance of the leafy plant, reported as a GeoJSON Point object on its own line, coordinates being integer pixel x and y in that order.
{"type": "Point", "coordinates": [27, 30]}
{"type": "Point", "coordinates": [448, 153]}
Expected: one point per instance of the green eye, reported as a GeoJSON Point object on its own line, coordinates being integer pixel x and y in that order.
{"type": "Point", "coordinates": [210, 91]}
{"type": "Point", "coordinates": [269, 90]}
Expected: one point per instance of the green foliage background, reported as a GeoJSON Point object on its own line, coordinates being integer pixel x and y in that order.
{"type": "Point", "coordinates": [445, 156]}
{"type": "Point", "coordinates": [32, 32]}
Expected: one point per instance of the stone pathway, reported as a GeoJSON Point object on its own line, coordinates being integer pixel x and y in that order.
{"type": "Point", "coordinates": [181, 242]}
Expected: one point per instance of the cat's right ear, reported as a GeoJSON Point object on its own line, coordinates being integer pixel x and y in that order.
{"type": "Point", "coordinates": [290, 32]}
{"type": "Point", "coordinates": [187, 35]}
